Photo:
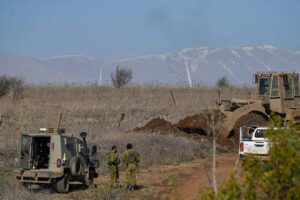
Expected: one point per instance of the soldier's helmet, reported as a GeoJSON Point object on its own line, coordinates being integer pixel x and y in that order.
{"type": "Point", "coordinates": [129, 146]}
{"type": "Point", "coordinates": [114, 147]}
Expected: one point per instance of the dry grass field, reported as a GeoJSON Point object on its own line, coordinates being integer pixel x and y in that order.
{"type": "Point", "coordinates": [97, 110]}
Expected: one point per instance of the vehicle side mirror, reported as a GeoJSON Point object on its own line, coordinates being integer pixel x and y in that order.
{"type": "Point", "coordinates": [83, 135]}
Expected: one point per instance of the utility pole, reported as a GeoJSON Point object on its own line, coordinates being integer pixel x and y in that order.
{"type": "Point", "coordinates": [214, 181]}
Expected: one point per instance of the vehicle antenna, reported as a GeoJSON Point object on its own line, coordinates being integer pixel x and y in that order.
{"type": "Point", "coordinates": [59, 121]}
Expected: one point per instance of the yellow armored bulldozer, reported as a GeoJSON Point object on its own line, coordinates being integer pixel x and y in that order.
{"type": "Point", "coordinates": [277, 93]}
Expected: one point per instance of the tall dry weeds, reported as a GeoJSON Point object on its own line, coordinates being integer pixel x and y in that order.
{"type": "Point", "coordinates": [153, 148]}
{"type": "Point", "coordinates": [11, 190]}
{"type": "Point", "coordinates": [97, 111]}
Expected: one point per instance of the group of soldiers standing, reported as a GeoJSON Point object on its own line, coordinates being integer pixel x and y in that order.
{"type": "Point", "coordinates": [130, 159]}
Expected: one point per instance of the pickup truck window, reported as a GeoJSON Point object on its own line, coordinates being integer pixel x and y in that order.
{"type": "Point", "coordinates": [259, 133]}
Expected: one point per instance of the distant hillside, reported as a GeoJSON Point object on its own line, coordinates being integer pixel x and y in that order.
{"type": "Point", "coordinates": [190, 65]}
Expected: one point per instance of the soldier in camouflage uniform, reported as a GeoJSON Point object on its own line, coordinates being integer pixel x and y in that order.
{"type": "Point", "coordinates": [113, 164]}
{"type": "Point", "coordinates": [131, 159]}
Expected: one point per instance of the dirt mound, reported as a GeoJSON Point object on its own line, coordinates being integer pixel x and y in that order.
{"type": "Point", "coordinates": [200, 123]}
{"type": "Point", "coordinates": [196, 127]}
{"type": "Point", "coordinates": [197, 124]}
{"type": "Point", "coordinates": [158, 125]}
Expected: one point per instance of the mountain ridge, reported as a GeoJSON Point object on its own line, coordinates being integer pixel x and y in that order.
{"type": "Point", "coordinates": [184, 66]}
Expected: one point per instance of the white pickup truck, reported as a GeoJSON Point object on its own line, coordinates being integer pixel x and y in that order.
{"type": "Point", "coordinates": [253, 142]}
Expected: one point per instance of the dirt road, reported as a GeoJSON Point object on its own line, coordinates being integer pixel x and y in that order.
{"type": "Point", "coordinates": [184, 180]}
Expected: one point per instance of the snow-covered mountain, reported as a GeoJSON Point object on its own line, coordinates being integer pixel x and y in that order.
{"type": "Point", "coordinates": [209, 64]}
{"type": "Point", "coordinates": [190, 65]}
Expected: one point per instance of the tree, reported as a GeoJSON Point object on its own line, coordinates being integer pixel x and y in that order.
{"type": "Point", "coordinates": [223, 82]}
{"type": "Point", "coordinates": [4, 85]}
{"type": "Point", "coordinates": [13, 85]}
{"type": "Point", "coordinates": [121, 77]}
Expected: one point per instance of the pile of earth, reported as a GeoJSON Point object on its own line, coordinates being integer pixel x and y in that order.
{"type": "Point", "coordinates": [201, 123]}
{"type": "Point", "coordinates": [197, 127]}
{"type": "Point", "coordinates": [158, 125]}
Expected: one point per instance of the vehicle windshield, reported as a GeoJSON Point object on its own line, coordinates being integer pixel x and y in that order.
{"type": "Point", "coordinates": [289, 88]}
{"type": "Point", "coordinates": [264, 84]}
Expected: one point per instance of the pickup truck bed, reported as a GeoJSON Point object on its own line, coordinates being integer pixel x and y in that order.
{"type": "Point", "coordinates": [254, 143]}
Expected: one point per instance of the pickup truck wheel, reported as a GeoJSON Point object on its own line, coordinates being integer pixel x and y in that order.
{"type": "Point", "coordinates": [63, 184]}
{"type": "Point", "coordinates": [250, 120]}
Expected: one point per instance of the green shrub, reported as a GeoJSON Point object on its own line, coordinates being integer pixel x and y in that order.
{"type": "Point", "coordinates": [276, 178]}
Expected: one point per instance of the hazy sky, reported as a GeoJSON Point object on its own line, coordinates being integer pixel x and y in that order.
{"type": "Point", "coordinates": [111, 29]}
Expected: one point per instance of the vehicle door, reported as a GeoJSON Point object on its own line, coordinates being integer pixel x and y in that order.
{"type": "Point", "coordinates": [25, 152]}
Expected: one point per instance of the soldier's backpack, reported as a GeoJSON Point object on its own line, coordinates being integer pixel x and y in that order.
{"type": "Point", "coordinates": [132, 158]}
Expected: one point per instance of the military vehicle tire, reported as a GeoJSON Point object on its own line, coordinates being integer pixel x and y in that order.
{"type": "Point", "coordinates": [75, 166]}
{"type": "Point", "coordinates": [251, 120]}
{"type": "Point", "coordinates": [63, 184]}
{"type": "Point", "coordinates": [83, 167]}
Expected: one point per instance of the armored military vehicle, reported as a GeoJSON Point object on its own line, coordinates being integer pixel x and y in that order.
{"type": "Point", "coordinates": [55, 158]}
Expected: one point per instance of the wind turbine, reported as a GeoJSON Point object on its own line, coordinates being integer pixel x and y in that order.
{"type": "Point", "coordinates": [188, 73]}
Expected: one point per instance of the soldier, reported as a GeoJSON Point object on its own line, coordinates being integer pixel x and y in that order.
{"type": "Point", "coordinates": [113, 163]}
{"type": "Point", "coordinates": [131, 159]}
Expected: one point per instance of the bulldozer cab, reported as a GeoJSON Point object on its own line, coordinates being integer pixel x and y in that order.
{"type": "Point", "coordinates": [279, 90]}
